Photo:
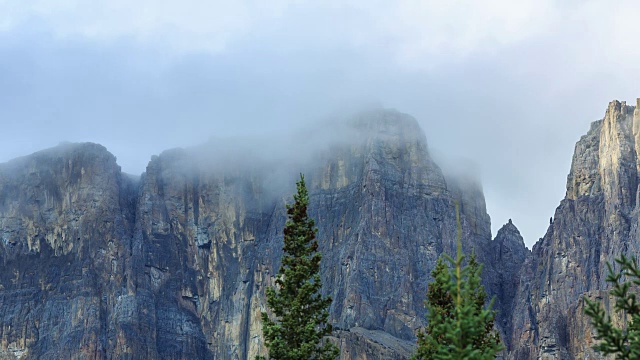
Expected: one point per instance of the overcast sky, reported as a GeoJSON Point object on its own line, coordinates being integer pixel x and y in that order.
{"type": "Point", "coordinates": [508, 85]}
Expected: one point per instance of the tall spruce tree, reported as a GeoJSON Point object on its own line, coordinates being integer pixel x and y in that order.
{"type": "Point", "coordinates": [300, 327]}
{"type": "Point", "coordinates": [440, 307]}
{"type": "Point", "coordinates": [623, 343]}
{"type": "Point", "coordinates": [459, 327]}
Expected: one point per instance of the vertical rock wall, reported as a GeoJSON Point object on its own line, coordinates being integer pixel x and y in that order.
{"type": "Point", "coordinates": [174, 265]}
{"type": "Point", "coordinates": [594, 224]}
{"type": "Point", "coordinates": [65, 218]}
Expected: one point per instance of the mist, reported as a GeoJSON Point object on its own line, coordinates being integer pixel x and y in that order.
{"type": "Point", "coordinates": [509, 90]}
{"type": "Point", "coordinates": [273, 162]}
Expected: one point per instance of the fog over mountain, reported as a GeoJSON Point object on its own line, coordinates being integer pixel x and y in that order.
{"type": "Point", "coordinates": [509, 89]}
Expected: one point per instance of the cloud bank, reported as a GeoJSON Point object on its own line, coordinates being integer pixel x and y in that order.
{"type": "Point", "coordinates": [510, 86]}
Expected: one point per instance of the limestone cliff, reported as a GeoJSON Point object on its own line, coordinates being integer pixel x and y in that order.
{"type": "Point", "coordinates": [509, 254]}
{"type": "Point", "coordinates": [65, 223]}
{"type": "Point", "coordinates": [174, 265]}
{"type": "Point", "coordinates": [595, 223]}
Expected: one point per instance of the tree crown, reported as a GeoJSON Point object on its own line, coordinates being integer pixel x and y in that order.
{"type": "Point", "coordinates": [301, 312]}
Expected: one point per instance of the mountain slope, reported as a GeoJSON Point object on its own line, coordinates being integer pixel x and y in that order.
{"type": "Point", "coordinates": [595, 223]}
{"type": "Point", "coordinates": [174, 265]}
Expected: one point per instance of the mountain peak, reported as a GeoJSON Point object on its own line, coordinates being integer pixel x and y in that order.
{"type": "Point", "coordinates": [509, 233]}
{"type": "Point", "coordinates": [64, 149]}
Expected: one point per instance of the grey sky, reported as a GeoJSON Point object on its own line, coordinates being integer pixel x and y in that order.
{"type": "Point", "coordinates": [509, 85]}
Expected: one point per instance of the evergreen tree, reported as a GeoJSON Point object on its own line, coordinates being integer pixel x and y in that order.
{"type": "Point", "coordinates": [621, 342]}
{"type": "Point", "coordinates": [440, 306]}
{"type": "Point", "coordinates": [459, 327]}
{"type": "Point", "coordinates": [301, 311]}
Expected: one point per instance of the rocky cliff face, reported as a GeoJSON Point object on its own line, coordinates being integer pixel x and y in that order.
{"type": "Point", "coordinates": [65, 224]}
{"type": "Point", "coordinates": [174, 265]}
{"type": "Point", "coordinates": [509, 255]}
{"type": "Point", "coordinates": [595, 223]}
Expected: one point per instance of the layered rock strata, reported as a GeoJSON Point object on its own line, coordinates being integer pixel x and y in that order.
{"type": "Point", "coordinates": [98, 265]}
{"type": "Point", "coordinates": [595, 223]}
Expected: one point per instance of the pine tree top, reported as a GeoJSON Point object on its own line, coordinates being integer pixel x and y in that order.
{"type": "Point", "coordinates": [301, 323]}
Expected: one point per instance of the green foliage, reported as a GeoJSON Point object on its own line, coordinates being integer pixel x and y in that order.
{"type": "Point", "coordinates": [441, 308]}
{"type": "Point", "coordinates": [459, 327]}
{"type": "Point", "coordinates": [623, 343]}
{"type": "Point", "coordinates": [300, 310]}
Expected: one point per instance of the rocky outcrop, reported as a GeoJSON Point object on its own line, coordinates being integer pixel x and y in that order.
{"type": "Point", "coordinates": [509, 255]}
{"type": "Point", "coordinates": [174, 265]}
{"type": "Point", "coordinates": [64, 225]}
{"type": "Point", "coordinates": [595, 223]}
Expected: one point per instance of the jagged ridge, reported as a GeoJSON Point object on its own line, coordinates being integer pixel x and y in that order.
{"type": "Point", "coordinates": [595, 223]}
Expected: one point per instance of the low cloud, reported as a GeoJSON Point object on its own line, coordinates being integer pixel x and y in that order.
{"type": "Point", "coordinates": [511, 88]}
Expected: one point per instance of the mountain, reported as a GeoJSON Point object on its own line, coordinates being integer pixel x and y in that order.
{"type": "Point", "coordinates": [596, 222]}
{"type": "Point", "coordinates": [174, 264]}
{"type": "Point", "coordinates": [98, 264]}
